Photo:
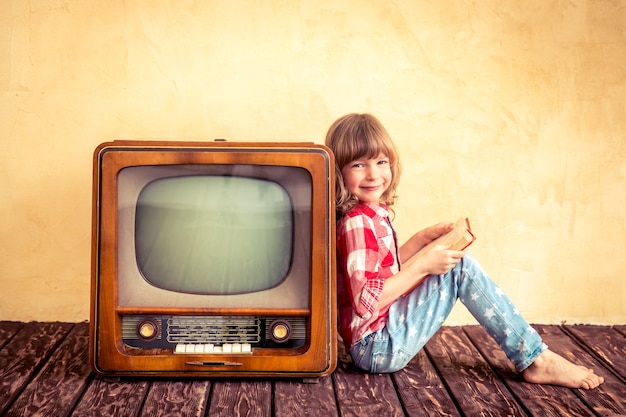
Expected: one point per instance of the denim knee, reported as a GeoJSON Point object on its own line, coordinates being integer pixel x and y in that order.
{"type": "Point", "coordinates": [375, 354]}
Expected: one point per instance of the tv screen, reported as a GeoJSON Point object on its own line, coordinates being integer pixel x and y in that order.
{"type": "Point", "coordinates": [209, 234]}
{"type": "Point", "coordinates": [213, 235]}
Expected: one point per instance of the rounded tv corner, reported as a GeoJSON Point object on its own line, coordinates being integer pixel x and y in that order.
{"type": "Point", "coordinates": [213, 259]}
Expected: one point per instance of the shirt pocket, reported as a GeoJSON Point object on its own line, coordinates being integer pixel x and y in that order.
{"type": "Point", "coordinates": [386, 253]}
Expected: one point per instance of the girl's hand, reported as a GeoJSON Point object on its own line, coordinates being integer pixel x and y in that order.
{"type": "Point", "coordinates": [435, 260]}
{"type": "Point", "coordinates": [433, 232]}
{"type": "Point", "coordinates": [415, 246]}
{"type": "Point", "coordinates": [439, 259]}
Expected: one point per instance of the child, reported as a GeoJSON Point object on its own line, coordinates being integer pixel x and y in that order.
{"type": "Point", "coordinates": [393, 299]}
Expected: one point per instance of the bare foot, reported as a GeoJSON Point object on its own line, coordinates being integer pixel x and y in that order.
{"type": "Point", "coordinates": [551, 368]}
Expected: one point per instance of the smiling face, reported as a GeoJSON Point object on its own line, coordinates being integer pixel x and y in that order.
{"type": "Point", "coordinates": [367, 179]}
{"type": "Point", "coordinates": [360, 143]}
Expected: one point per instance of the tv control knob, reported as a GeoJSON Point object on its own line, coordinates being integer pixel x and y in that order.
{"type": "Point", "coordinates": [148, 329]}
{"type": "Point", "coordinates": [280, 331]}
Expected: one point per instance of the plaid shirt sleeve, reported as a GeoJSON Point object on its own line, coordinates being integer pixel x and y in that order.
{"type": "Point", "coordinates": [360, 246]}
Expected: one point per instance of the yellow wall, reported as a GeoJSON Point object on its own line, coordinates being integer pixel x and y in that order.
{"type": "Point", "coordinates": [512, 113]}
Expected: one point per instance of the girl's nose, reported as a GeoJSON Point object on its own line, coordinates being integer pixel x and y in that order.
{"type": "Point", "coordinates": [372, 173]}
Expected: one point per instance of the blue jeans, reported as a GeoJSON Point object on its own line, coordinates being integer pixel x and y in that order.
{"type": "Point", "coordinates": [414, 318]}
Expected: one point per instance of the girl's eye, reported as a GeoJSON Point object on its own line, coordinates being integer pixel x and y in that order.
{"type": "Point", "coordinates": [383, 162]}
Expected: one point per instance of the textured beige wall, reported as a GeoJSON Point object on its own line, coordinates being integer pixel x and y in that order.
{"type": "Point", "coordinates": [512, 113]}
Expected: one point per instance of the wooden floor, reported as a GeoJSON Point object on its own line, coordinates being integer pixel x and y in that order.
{"type": "Point", "coordinates": [44, 371]}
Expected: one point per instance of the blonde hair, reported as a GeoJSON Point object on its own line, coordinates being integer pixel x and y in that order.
{"type": "Point", "coordinates": [355, 136]}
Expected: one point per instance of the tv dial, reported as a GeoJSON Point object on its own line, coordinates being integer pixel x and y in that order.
{"type": "Point", "coordinates": [280, 331]}
{"type": "Point", "coordinates": [148, 329]}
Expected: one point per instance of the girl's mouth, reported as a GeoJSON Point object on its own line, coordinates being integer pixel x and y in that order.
{"type": "Point", "coordinates": [371, 188]}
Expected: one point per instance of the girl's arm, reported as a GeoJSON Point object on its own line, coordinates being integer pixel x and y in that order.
{"type": "Point", "coordinates": [434, 261]}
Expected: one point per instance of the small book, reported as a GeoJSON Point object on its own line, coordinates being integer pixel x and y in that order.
{"type": "Point", "coordinates": [459, 238]}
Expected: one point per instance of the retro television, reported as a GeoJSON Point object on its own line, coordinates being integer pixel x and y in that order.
{"type": "Point", "coordinates": [213, 259]}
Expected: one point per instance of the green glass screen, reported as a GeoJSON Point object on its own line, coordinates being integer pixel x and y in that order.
{"type": "Point", "coordinates": [213, 234]}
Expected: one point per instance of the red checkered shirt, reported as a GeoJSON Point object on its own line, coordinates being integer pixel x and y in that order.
{"type": "Point", "coordinates": [366, 257]}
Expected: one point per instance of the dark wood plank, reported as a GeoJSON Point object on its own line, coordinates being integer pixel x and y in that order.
{"type": "Point", "coordinates": [24, 354]}
{"type": "Point", "coordinates": [607, 343]}
{"type": "Point", "coordinates": [112, 398]}
{"type": "Point", "coordinates": [621, 329]}
{"type": "Point", "coordinates": [8, 329]}
{"type": "Point", "coordinates": [177, 398]}
{"type": "Point", "coordinates": [241, 398]}
{"type": "Point", "coordinates": [421, 390]}
{"type": "Point", "coordinates": [474, 385]}
{"type": "Point", "coordinates": [56, 389]}
{"type": "Point", "coordinates": [552, 400]}
{"type": "Point", "coordinates": [362, 394]}
{"type": "Point", "coordinates": [297, 399]}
